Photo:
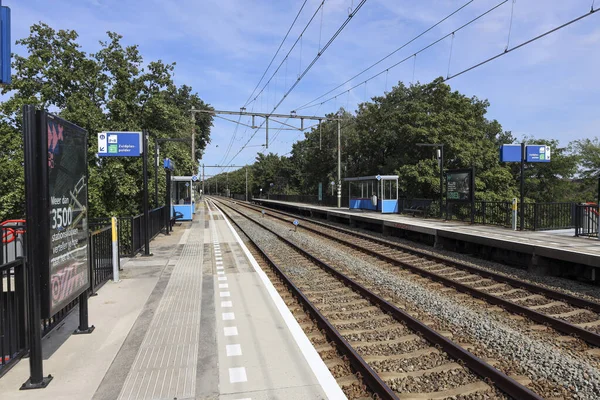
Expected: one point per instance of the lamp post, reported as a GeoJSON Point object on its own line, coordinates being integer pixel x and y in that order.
{"type": "Point", "coordinates": [260, 195]}
{"type": "Point", "coordinates": [441, 163]}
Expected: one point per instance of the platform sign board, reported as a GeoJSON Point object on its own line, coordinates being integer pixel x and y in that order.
{"type": "Point", "coordinates": [66, 275]}
{"type": "Point", "coordinates": [510, 153]}
{"type": "Point", "coordinates": [459, 184]}
{"type": "Point", "coordinates": [537, 153]}
{"type": "Point", "coordinates": [119, 144]}
{"type": "Point", "coordinates": [320, 191]}
{"type": "Point", "coordinates": [5, 75]}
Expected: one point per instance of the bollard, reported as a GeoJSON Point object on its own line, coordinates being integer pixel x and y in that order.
{"type": "Point", "coordinates": [514, 214]}
{"type": "Point", "coordinates": [115, 250]}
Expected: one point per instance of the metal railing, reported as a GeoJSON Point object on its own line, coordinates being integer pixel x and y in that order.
{"type": "Point", "coordinates": [537, 216]}
{"type": "Point", "coordinates": [548, 216]}
{"type": "Point", "coordinates": [327, 200]}
{"type": "Point", "coordinates": [131, 230]}
{"type": "Point", "coordinates": [13, 289]}
{"type": "Point", "coordinates": [587, 220]}
{"type": "Point", "coordinates": [13, 334]}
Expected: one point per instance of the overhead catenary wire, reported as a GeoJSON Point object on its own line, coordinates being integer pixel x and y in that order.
{"type": "Point", "coordinates": [276, 53]}
{"type": "Point", "coordinates": [308, 68]}
{"type": "Point", "coordinates": [310, 104]}
{"type": "Point", "coordinates": [289, 52]}
{"type": "Point", "coordinates": [525, 43]}
{"type": "Point", "coordinates": [390, 54]}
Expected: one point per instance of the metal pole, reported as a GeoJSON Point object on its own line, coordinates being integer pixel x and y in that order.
{"type": "Point", "coordinates": [156, 172]}
{"type": "Point", "coordinates": [145, 205]}
{"type": "Point", "coordinates": [320, 132]}
{"type": "Point", "coordinates": [115, 249]}
{"type": "Point", "coordinates": [267, 131]}
{"type": "Point", "coordinates": [168, 205]}
{"type": "Point", "coordinates": [203, 180]}
{"type": "Point", "coordinates": [442, 180]}
{"type": "Point", "coordinates": [193, 140]}
{"type": "Point", "coordinates": [33, 195]}
{"type": "Point", "coordinates": [339, 166]}
{"type": "Point", "coordinates": [246, 183]}
{"type": "Point", "coordinates": [522, 200]}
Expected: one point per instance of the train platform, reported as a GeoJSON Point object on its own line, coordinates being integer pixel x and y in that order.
{"type": "Point", "coordinates": [197, 320]}
{"type": "Point", "coordinates": [541, 252]}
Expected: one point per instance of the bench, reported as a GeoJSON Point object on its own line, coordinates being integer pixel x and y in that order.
{"type": "Point", "coordinates": [176, 215]}
{"type": "Point", "coordinates": [417, 206]}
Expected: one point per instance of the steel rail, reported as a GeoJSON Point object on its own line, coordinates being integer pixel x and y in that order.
{"type": "Point", "coordinates": [559, 325]}
{"type": "Point", "coordinates": [532, 287]}
{"type": "Point", "coordinates": [475, 364]}
{"type": "Point", "coordinates": [369, 376]}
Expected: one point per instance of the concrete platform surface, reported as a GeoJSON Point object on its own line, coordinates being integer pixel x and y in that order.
{"type": "Point", "coordinates": [198, 320]}
{"type": "Point", "coordinates": [556, 245]}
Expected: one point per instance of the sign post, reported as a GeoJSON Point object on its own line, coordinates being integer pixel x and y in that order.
{"type": "Point", "coordinates": [522, 153]}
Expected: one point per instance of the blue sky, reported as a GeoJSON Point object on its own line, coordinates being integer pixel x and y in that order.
{"type": "Point", "coordinates": [549, 89]}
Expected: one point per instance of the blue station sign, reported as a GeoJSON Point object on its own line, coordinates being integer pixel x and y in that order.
{"type": "Point", "coordinates": [533, 153]}
{"type": "Point", "coordinates": [538, 153]}
{"type": "Point", "coordinates": [119, 144]}
{"type": "Point", "coordinates": [5, 42]}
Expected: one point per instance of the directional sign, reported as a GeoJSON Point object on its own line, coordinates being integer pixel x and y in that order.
{"type": "Point", "coordinates": [195, 178]}
{"type": "Point", "coordinates": [378, 177]}
{"type": "Point", "coordinates": [119, 144]}
{"type": "Point", "coordinates": [295, 222]}
{"type": "Point", "coordinates": [538, 153]}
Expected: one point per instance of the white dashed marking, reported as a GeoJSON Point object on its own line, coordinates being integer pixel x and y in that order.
{"type": "Point", "coordinates": [221, 272]}
{"type": "Point", "coordinates": [226, 304]}
{"type": "Point", "coordinates": [224, 294]}
{"type": "Point", "coordinates": [222, 278]}
{"type": "Point", "coordinates": [223, 285]}
{"type": "Point", "coordinates": [228, 316]}
{"type": "Point", "coordinates": [233, 350]}
{"type": "Point", "coordinates": [237, 375]}
{"type": "Point", "coordinates": [230, 331]}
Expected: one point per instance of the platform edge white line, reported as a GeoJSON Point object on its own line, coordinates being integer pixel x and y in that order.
{"type": "Point", "coordinates": [326, 380]}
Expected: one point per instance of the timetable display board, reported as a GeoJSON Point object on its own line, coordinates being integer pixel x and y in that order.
{"type": "Point", "coordinates": [459, 185]}
{"type": "Point", "coordinates": [67, 274]}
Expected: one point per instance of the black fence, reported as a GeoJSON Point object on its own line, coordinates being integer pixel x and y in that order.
{"type": "Point", "coordinates": [327, 200]}
{"type": "Point", "coordinates": [13, 334]}
{"type": "Point", "coordinates": [537, 216]}
{"type": "Point", "coordinates": [587, 220]}
{"type": "Point", "coordinates": [13, 288]}
{"type": "Point", "coordinates": [131, 230]}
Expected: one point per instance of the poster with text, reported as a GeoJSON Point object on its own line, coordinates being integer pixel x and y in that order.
{"type": "Point", "coordinates": [459, 185]}
{"type": "Point", "coordinates": [67, 186]}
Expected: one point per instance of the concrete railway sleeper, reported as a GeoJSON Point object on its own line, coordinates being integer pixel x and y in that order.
{"type": "Point", "coordinates": [570, 315]}
{"type": "Point", "coordinates": [355, 319]}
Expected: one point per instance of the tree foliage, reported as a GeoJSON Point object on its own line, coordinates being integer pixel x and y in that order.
{"type": "Point", "coordinates": [382, 138]}
{"type": "Point", "coordinates": [110, 90]}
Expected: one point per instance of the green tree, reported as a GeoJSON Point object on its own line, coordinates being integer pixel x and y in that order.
{"type": "Point", "coordinates": [108, 90]}
{"type": "Point", "coordinates": [588, 151]}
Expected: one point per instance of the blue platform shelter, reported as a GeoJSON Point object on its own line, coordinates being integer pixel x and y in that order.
{"type": "Point", "coordinates": [182, 197]}
{"type": "Point", "coordinates": [376, 193]}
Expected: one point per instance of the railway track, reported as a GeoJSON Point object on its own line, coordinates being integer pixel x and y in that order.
{"type": "Point", "coordinates": [565, 313]}
{"type": "Point", "coordinates": [396, 355]}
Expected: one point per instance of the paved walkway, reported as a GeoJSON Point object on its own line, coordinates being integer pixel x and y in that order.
{"type": "Point", "coordinates": [198, 320]}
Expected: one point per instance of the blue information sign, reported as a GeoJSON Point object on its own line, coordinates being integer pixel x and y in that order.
{"type": "Point", "coordinates": [119, 144]}
{"type": "Point", "coordinates": [5, 76]}
{"type": "Point", "coordinates": [538, 153]}
{"type": "Point", "coordinates": [510, 153]}
{"type": "Point", "coordinates": [168, 164]}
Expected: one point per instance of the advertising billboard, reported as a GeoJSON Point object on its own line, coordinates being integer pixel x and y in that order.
{"type": "Point", "coordinates": [67, 274]}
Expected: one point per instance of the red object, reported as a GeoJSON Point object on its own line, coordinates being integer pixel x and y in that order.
{"type": "Point", "coordinates": [9, 234]}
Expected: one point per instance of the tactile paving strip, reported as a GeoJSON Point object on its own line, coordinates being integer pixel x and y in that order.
{"type": "Point", "coordinates": [165, 365]}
